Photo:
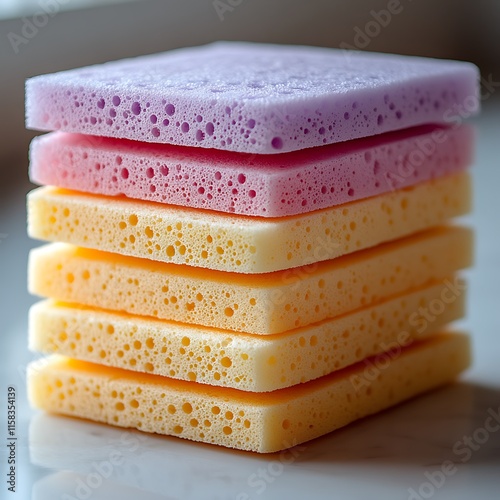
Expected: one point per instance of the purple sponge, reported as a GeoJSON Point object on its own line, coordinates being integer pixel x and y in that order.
{"type": "Point", "coordinates": [253, 98]}
{"type": "Point", "coordinates": [259, 185]}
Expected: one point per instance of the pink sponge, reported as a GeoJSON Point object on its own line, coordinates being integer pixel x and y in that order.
{"type": "Point", "coordinates": [262, 185]}
{"type": "Point", "coordinates": [253, 98]}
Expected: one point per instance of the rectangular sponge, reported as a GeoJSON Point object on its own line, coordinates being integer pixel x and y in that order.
{"type": "Point", "coordinates": [252, 98]}
{"type": "Point", "coordinates": [247, 362]}
{"type": "Point", "coordinates": [240, 243]}
{"type": "Point", "coordinates": [261, 304]}
{"type": "Point", "coordinates": [261, 422]}
{"type": "Point", "coordinates": [263, 185]}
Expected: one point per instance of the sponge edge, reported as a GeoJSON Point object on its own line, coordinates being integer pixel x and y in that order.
{"type": "Point", "coordinates": [256, 363]}
{"type": "Point", "coordinates": [264, 185]}
{"type": "Point", "coordinates": [263, 423]}
{"type": "Point", "coordinates": [242, 244]}
{"type": "Point", "coordinates": [252, 98]}
{"type": "Point", "coordinates": [254, 303]}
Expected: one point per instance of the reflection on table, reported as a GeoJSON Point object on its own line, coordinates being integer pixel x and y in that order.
{"type": "Point", "coordinates": [393, 450]}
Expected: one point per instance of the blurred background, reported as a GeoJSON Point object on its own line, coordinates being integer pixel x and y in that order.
{"type": "Point", "coordinates": [43, 36]}
{"type": "Point", "coordinates": [73, 33]}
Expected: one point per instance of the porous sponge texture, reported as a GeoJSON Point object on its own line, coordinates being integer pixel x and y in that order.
{"type": "Point", "coordinates": [262, 422]}
{"type": "Point", "coordinates": [239, 243]}
{"type": "Point", "coordinates": [261, 304]}
{"type": "Point", "coordinates": [253, 98]}
{"type": "Point", "coordinates": [260, 185]}
{"type": "Point", "coordinates": [247, 362]}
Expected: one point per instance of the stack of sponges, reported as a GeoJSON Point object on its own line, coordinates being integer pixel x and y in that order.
{"type": "Point", "coordinates": [250, 242]}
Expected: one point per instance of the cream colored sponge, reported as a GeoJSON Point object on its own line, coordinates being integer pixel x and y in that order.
{"type": "Point", "coordinates": [262, 304]}
{"type": "Point", "coordinates": [265, 422]}
{"type": "Point", "coordinates": [238, 243]}
{"type": "Point", "coordinates": [248, 362]}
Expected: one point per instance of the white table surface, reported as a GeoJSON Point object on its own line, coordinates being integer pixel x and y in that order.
{"type": "Point", "coordinates": [398, 454]}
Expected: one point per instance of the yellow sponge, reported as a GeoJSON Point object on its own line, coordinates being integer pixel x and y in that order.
{"type": "Point", "coordinates": [261, 304]}
{"type": "Point", "coordinates": [248, 362]}
{"type": "Point", "coordinates": [262, 422]}
{"type": "Point", "coordinates": [239, 243]}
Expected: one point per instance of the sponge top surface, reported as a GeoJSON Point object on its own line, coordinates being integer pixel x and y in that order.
{"type": "Point", "coordinates": [254, 98]}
